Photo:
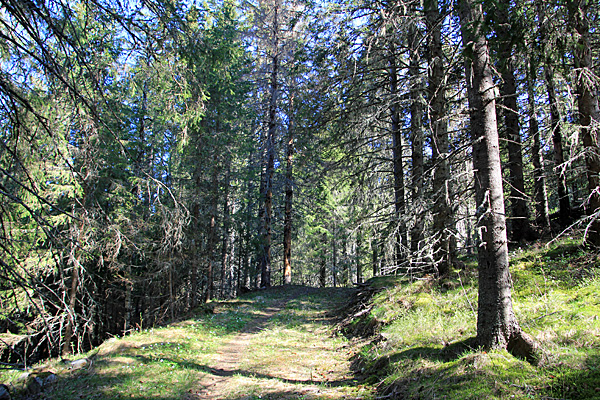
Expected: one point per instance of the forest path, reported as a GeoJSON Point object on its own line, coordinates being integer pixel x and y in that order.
{"type": "Point", "coordinates": [286, 351]}
{"type": "Point", "coordinates": [278, 343]}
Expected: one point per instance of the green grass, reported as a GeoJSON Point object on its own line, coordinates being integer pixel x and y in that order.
{"type": "Point", "coordinates": [156, 363]}
{"type": "Point", "coordinates": [291, 353]}
{"type": "Point", "coordinates": [426, 328]}
{"type": "Point", "coordinates": [420, 348]}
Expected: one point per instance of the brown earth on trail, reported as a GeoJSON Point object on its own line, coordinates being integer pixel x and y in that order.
{"type": "Point", "coordinates": [275, 359]}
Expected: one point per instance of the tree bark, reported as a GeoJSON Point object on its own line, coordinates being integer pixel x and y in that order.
{"type": "Point", "coordinates": [589, 112]}
{"type": "Point", "coordinates": [226, 230]}
{"type": "Point", "coordinates": [564, 206]}
{"type": "Point", "coordinates": [323, 262]}
{"type": "Point", "coordinates": [212, 235]}
{"type": "Point", "coordinates": [265, 267]}
{"type": "Point", "coordinates": [497, 326]}
{"type": "Point", "coordinates": [416, 127]}
{"type": "Point", "coordinates": [289, 196]}
{"type": "Point", "coordinates": [542, 217]}
{"type": "Point", "coordinates": [374, 259]}
{"type": "Point", "coordinates": [443, 221]}
{"type": "Point", "coordinates": [334, 260]}
{"type": "Point", "coordinates": [521, 228]}
{"type": "Point", "coordinates": [359, 267]}
{"type": "Point", "coordinates": [399, 189]}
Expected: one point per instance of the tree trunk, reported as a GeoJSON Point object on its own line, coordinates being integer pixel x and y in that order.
{"type": "Point", "coordinates": [345, 270]}
{"type": "Point", "coordinates": [359, 267]}
{"type": "Point", "coordinates": [196, 247]}
{"type": "Point", "coordinates": [334, 260]}
{"type": "Point", "coordinates": [69, 329]}
{"type": "Point", "coordinates": [542, 217]}
{"type": "Point", "coordinates": [443, 221]}
{"type": "Point", "coordinates": [416, 127]}
{"type": "Point", "coordinates": [212, 235]}
{"type": "Point", "coordinates": [289, 196]}
{"type": "Point", "coordinates": [323, 262]}
{"type": "Point", "coordinates": [226, 231]}
{"type": "Point", "coordinates": [589, 112]}
{"type": "Point", "coordinates": [399, 190]}
{"type": "Point", "coordinates": [374, 259]}
{"type": "Point", "coordinates": [521, 228]}
{"type": "Point", "coordinates": [564, 206]}
{"type": "Point", "coordinates": [497, 326]}
{"type": "Point", "coordinates": [265, 267]}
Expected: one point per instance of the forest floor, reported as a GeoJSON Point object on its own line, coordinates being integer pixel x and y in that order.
{"type": "Point", "coordinates": [401, 339]}
{"type": "Point", "coordinates": [278, 343]}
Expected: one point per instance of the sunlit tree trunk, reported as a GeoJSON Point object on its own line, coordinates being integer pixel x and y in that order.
{"type": "Point", "coordinates": [497, 326]}
{"type": "Point", "coordinates": [521, 228]}
{"type": "Point", "coordinates": [323, 262]}
{"type": "Point", "coordinates": [374, 257]}
{"type": "Point", "coordinates": [542, 217]}
{"type": "Point", "coordinates": [589, 111]}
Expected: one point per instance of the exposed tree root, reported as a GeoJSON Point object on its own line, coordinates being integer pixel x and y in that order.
{"type": "Point", "coordinates": [523, 346]}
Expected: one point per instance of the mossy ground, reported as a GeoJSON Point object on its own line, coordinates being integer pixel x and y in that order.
{"type": "Point", "coordinates": [424, 351]}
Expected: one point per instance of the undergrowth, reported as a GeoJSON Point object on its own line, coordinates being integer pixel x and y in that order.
{"type": "Point", "coordinates": [422, 344]}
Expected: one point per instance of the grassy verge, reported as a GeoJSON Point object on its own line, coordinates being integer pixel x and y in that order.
{"type": "Point", "coordinates": [156, 363]}
{"type": "Point", "coordinates": [270, 344]}
{"type": "Point", "coordinates": [421, 349]}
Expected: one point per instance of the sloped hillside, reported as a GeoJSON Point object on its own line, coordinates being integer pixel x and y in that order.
{"type": "Point", "coordinates": [421, 332]}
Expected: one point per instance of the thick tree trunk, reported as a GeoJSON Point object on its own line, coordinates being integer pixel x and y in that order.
{"type": "Point", "coordinates": [589, 112]}
{"type": "Point", "coordinates": [443, 221]}
{"type": "Point", "coordinates": [416, 127]}
{"type": "Point", "coordinates": [521, 228]}
{"type": "Point", "coordinates": [497, 326]}
{"type": "Point", "coordinates": [399, 189]}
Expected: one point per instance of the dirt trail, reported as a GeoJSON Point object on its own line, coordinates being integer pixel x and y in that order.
{"type": "Point", "coordinates": [287, 352]}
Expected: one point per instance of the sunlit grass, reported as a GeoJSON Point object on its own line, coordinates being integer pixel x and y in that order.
{"type": "Point", "coordinates": [427, 327]}
{"type": "Point", "coordinates": [290, 351]}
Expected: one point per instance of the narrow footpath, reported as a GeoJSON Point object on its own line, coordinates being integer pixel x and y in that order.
{"type": "Point", "coordinates": [287, 351]}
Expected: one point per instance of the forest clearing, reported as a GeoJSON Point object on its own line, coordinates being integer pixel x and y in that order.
{"type": "Point", "coordinates": [187, 188]}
